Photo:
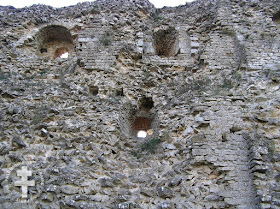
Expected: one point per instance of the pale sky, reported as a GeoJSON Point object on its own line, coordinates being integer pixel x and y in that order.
{"type": "Point", "coordinates": [61, 3]}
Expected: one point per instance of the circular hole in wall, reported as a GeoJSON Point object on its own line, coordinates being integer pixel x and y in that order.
{"type": "Point", "coordinates": [141, 125]}
{"type": "Point", "coordinates": [142, 134]}
{"type": "Point", "coordinates": [62, 53]}
{"type": "Point", "coordinates": [135, 120]}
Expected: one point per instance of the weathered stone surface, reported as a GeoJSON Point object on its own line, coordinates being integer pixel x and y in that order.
{"type": "Point", "coordinates": [165, 192]}
{"type": "Point", "coordinates": [69, 189]}
{"type": "Point", "coordinates": [166, 205]}
{"type": "Point", "coordinates": [175, 181]}
{"type": "Point", "coordinates": [204, 75]}
{"type": "Point", "coordinates": [106, 182]}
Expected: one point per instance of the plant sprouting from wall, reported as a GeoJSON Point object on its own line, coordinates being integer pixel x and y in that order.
{"type": "Point", "coordinates": [228, 32]}
{"type": "Point", "coordinates": [4, 76]}
{"type": "Point", "coordinates": [197, 85]}
{"type": "Point", "coordinates": [150, 145]}
{"type": "Point", "coordinates": [227, 84]}
{"type": "Point", "coordinates": [40, 114]}
{"type": "Point", "coordinates": [157, 16]}
{"type": "Point", "coordinates": [147, 147]}
{"type": "Point", "coordinates": [106, 39]}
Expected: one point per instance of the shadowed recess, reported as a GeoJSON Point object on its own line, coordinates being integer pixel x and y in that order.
{"type": "Point", "coordinates": [276, 17]}
{"type": "Point", "coordinates": [165, 42]}
{"type": "Point", "coordinates": [61, 52]}
{"type": "Point", "coordinates": [141, 123]}
{"type": "Point", "coordinates": [55, 41]}
{"type": "Point", "coordinates": [54, 33]}
{"type": "Point", "coordinates": [147, 103]}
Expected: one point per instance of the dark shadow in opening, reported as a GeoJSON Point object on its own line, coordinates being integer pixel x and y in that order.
{"type": "Point", "coordinates": [165, 42]}
{"type": "Point", "coordinates": [276, 17]}
{"type": "Point", "coordinates": [54, 40]}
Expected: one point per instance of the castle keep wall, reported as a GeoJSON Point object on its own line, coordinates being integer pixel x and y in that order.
{"type": "Point", "coordinates": [201, 80]}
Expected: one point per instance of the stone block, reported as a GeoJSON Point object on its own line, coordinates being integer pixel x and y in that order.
{"type": "Point", "coordinates": [194, 45]}
{"type": "Point", "coordinates": [69, 189]}
{"type": "Point", "coordinates": [165, 192]}
{"type": "Point", "coordinates": [194, 51]}
{"type": "Point", "coordinates": [198, 138]}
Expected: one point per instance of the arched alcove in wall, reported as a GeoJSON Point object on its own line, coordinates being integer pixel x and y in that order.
{"type": "Point", "coordinates": [143, 119]}
{"type": "Point", "coordinates": [54, 41]}
{"type": "Point", "coordinates": [166, 41]}
{"type": "Point", "coordinates": [141, 126]}
{"type": "Point", "coordinates": [139, 122]}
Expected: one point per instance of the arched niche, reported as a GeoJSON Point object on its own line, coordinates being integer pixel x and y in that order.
{"type": "Point", "coordinates": [143, 119]}
{"type": "Point", "coordinates": [139, 119]}
{"type": "Point", "coordinates": [165, 41]}
{"type": "Point", "coordinates": [54, 41]}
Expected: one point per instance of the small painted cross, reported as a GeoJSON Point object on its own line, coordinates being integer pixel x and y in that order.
{"type": "Point", "coordinates": [24, 183]}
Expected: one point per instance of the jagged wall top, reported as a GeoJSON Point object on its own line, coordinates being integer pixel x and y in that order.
{"type": "Point", "coordinates": [41, 14]}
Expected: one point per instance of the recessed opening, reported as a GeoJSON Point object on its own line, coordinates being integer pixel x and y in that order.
{"type": "Point", "coordinates": [93, 90]}
{"type": "Point", "coordinates": [141, 125]}
{"type": "Point", "coordinates": [165, 41]}
{"type": "Point", "coordinates": [119, 92]}
{"type": "Point", "coordinates": [62, 53]}
{"type": "Point", "coordinates": [43, 50]}
{"type": "Point", "coordinates": [276, 17]}
{"type": "Point", "coordinates": [142, 134]}
{"type": "Point", "coordinates": [147, 103]}
{"type": "Point", "coordinates": [138, 123]}
{"type": "Point", "coordinates": [54, 41]}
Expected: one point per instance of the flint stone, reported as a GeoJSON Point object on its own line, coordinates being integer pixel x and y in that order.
{"type": "Point", "coordinates": [165, 192]}
{"type": "Point", "coordinates": [106, 182]}
{"type": "Point", "coordinates": [69, 189]}
{"type": "Point", "coordinates": [175, 182]}
{"type": "Point", "coordinates": [166, 205]}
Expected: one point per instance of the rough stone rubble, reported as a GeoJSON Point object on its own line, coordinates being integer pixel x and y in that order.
{"type": "Point", "coordinates": [205, 75]}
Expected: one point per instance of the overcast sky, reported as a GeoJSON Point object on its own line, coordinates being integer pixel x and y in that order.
{"type": "Point", "coordinates": [61, 3]}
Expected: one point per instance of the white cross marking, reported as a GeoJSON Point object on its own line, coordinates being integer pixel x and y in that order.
{"type": "Point", "coordinates": [24, 183]}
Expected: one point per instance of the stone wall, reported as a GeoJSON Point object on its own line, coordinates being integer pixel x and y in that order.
{"type": "Point", "coordinates": [204, 76]}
